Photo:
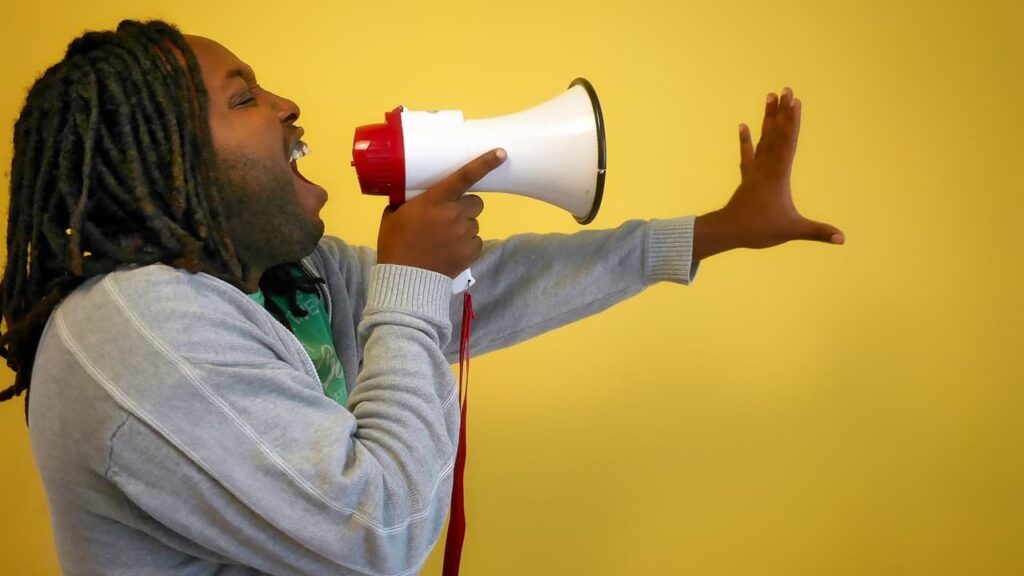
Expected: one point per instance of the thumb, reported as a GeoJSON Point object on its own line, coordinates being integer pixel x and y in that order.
{"type": "Point", "coordinates": [822, 232]}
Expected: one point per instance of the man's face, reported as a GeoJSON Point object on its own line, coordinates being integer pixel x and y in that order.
{"type": "Point", "coordinates": [271, 212]}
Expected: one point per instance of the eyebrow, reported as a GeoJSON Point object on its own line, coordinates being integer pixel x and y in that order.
{"type": "Point", "coordinates": [238, 72]}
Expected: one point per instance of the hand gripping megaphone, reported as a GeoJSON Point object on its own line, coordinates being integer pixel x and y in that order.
{"type": "Point", "coordinates": [556, 153]}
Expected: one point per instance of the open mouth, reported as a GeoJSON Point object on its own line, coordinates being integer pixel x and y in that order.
{"type": "Point", "coordinates": [295, 170]}
{"type": "Point", "coordinates": [298, 151]}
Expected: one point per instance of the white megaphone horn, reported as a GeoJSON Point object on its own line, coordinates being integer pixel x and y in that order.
{"type": "Point", "coordinates": [556, 153]}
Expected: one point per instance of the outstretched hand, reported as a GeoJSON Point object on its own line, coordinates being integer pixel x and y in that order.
{"type": "Point", "coordinates": [761, 213]}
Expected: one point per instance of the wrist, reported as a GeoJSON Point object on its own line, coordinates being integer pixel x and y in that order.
{"type": "Point", "coordinates": [712, 233]}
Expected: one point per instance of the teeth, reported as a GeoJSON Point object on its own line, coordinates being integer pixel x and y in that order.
{"type": "Point", "coordinates": [300, 150]}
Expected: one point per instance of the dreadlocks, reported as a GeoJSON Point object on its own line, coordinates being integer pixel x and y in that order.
{"type": "Point", "coordinates": [112, 165]}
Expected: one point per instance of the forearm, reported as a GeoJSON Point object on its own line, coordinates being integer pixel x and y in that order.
{"type": "Point", "coordinates": [712, 234]}
{"type": "Point", "coordinates": [531, 283]}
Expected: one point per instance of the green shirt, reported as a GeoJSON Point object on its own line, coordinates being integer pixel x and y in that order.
{"type": "Point", "coordinates": [314, 333]}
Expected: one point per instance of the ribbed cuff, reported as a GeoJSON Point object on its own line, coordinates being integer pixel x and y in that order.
{"type": "Point", "coordinates": [412, 290]}
{"type": "Point", "coordinates": [670, 251]}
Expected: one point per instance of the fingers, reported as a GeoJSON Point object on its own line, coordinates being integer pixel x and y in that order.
{"type": "Point", "coordinates": [456, 184]}
{"type": "Point", "coordinates": [771, 107]}
{"type": "Point", "coordinates": [746, 150]}
{"type": "Point", "coordinates": [787, 119]}
{"type": "Point", "coordinates": [797, 111]}
{"type": "Point", "coordinates": [787, 99]}
{"type": "Point", "coordinates": [781, 124]}
{"type": "Point", "coordinates": [471, 205]}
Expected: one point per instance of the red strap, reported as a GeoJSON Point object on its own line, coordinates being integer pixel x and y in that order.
{"type": "Point", "coordinates": [457, 520]}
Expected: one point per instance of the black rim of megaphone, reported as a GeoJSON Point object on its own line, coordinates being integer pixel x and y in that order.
{"type": "Point", "coordinates": [602, 153]}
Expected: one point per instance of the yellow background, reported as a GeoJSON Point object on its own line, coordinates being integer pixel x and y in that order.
{"type": "Point", "coordinates": [808, 409]}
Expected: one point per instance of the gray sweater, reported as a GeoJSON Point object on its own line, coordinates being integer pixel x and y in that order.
{"type": "Point", "coordinates": [180, 429]}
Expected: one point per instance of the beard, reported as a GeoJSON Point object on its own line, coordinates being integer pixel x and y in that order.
{"type": "Point", "coordinates": [262, 213]}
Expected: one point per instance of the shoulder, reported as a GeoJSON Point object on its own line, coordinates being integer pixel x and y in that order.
{"type": "Point", "coordinates": [166, 308]}
{"type": "Point", "coordinates": [155, 292]}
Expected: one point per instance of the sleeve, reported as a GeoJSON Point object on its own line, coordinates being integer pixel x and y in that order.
{"type": "Point", "coordinates": [532, 283]}
{"type": "Point", "coordinates": [232, 445]}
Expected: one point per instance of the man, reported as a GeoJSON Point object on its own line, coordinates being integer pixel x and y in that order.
{"type": "Point", "coordinates": [168, 289]}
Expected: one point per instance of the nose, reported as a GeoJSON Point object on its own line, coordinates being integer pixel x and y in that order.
{"type": "Point", "coordinates": [287, 110]}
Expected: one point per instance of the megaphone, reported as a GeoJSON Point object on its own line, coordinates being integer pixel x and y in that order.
{"type": "Point", "coordinates": [556, 151]}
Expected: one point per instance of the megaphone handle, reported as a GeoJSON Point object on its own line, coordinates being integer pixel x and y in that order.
{"type": "Point", "coordinates": [463, 281]}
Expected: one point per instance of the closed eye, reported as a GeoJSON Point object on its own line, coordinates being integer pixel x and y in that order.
{"type": "Point", "coordinates": [246, 98]}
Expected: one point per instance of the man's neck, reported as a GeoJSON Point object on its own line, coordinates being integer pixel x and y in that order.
{"type": "Point", "coordinates": [251, 275]}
